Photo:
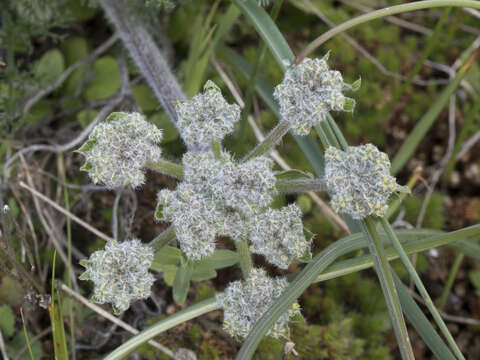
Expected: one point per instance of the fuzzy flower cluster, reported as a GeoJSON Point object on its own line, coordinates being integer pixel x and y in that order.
{"type": "Point", "coordinates": [279, 236]}
{"type": "Point", "coordinates": [309, 92]}
{"type": "Point", "coordinates": [359, 180]}
{"type": "Point", "coordinates": [216, 197]}
{"type": "Point", "coordinates": [119, 148]}
{"type": "Point", "coordinates": [244, 303]}
{"type": "Point", "coordinates": [120, 273]}
{"type": "Point", "coordinates": [207, 117]}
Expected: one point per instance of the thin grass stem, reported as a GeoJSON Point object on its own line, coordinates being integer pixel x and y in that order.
{"type": "Point", "coordinates": [451, 279]}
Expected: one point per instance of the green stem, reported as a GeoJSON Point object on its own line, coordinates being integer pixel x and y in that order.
{"type": "Point", "coordinates": [451, 278]}
{"type": "Point", "coordinates": [245, 258]}
{"type": "Point", "coordinates": [296, 186]}
{"type": "Point", "coordinates": [338, 133]}
{"type": "Point", "coordinates": [217, 149]}
{"type": "Point", "coordinates": [163, 238]}
{"type": "Point", "coordinates": [418, 283]}
{"type": "Point", "coordinates": [384, 274]}
{"type": "Point", "coordinates": [270, 141]}
{"type": "Point", "coordinates": [166, 167]}
{"type": "Point", "coordinates": [180, 317]}
{"type": "Point", "coordinates": [328, 133]}
{"type": "Point", "coordinates": [381, 13]}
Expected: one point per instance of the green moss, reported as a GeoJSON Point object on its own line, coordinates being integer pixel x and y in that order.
{"type": "Point", "coordinates": [203, 292]}
{"type": "Point", "coordinates": [208, 351]}
{"type": "Point", "coordinates": [195, 334]}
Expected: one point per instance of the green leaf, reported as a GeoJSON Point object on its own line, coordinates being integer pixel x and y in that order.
{"type": "Point", "coordinates": [181, 284]}
{"type": "Point", "coordinates": [145, 98]}
{"type": "Point", "coordinates": [421, 323]}
{"type": "Point", "coordinates": [86, 167]}
{"type": "Point", "coordinates": [18, 343]}
{"type": "Point", "coordinates": [75, 49]}
{"type": "Point", "coordinates": [202, 271]}
{"type": "Point", "coordinates": [7, 321]}
{"type": "Point", "coordinates": [79, 11]}
{"type": "Point", "coordinates": [158, 212]}
{"type": "Point", "coordinates": [220, 259]}
{"type": "Point", "coordinates": [106, 81]}
{"type": "Point", "coordinates": [268, 31]}
{"type": "Point", "coordinates": [84, 262]}
{"type": "Point", "coordinates": [355, 86]}
{"type": "Point", "coordinates": [50, 66]}
{"type": "Point", "coordinates": [293, 175]}
{"type": "Point", "coordinates": [115, 116]}
{"type": "Point", "coordinates": [163, 122]}
{"type": "Point", "coordinates": [167, 255]}
{"type": "Point", "coordinates": [169, 273]}
{"type": "Point", "coordinates": [349, 104]}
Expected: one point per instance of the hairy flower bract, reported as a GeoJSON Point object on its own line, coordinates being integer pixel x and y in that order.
{"type": "Point", "coordinates": [207, 116]}
{"type": "Point", "coordinates": [309, 92]}
{"type": "Point", "coordinates": [245, 301]}
{"type": "Point", "coordinates": [359, 180]}
{"type": "Point", "coordinates": [119, 148]}
{"type": "Point", "coordinates": [120, 273]}
{"type": "Point", "coordinates": [279, 236]}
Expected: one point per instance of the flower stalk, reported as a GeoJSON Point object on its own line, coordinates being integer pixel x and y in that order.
{"type": "Point", "coordinates": [166, 167]}
{"type": "Point", "coordinates": [277, 133]}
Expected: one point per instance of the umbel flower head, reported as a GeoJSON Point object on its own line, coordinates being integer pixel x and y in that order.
{"type": "Point", "coordinates": [119, 148]}
{"type": "Point", "coordinates": [245, 301]}
{"type": "Point", "coordinates": [359, 180]}
{"type": "Point", "coordinates": [279, 236]}
{"type": "Point", "coordinates": [216, 198]}
{"type": "Point", "coordinates": [194, 217]}
{"type": "Point", "coordinates": [245, 187]}
{"type": "Point", "coordinates": [120, 273]}
{"type": "Point", "coordinates": [309, 92]}
{"type": "Point", "coordinates": [207, 116]}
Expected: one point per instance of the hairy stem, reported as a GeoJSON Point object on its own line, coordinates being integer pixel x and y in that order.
{"type": "Point", "coordinates": [163, 238]}
{"type": "Point", "coordinates": [270, 140]}
{"type": "Point", "coordinates": [418, 283]}
{"type": "Point", "coordinates": [300, 186]}
{"type": "Point", "coordinates": [166, 167]}
{"type": "Point", "coordinates": [245, 258]}
{"type": "Point", "coordinates": [384, 273]}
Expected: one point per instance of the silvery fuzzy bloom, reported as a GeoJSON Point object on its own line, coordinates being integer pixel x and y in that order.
{"type": "Point", "coordinates": [309, 92]}
{"type": "Point", "coordinates": [359, 180]}
{"type": "Point", "coordinates": [120, 273]}
{"type": "Point", "coordinates": [195, 218]}
{"type": "Point", "coordinates": [207, 117]}
{"type": "Point", "coordinates": [245, 187]}
{"type": "Point", "coordinates": [279, 236]}
{"type": "Point", "coordinates": [245, 301]}
{"type": "Point", "coordinates": [119, 148]}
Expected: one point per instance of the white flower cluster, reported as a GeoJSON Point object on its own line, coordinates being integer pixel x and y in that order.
{"type": "Point", "coordinates": [216, 197]}
{"type": "Point", "coordinates": [359, 180]}
{"type": "Point", "coordinates": [279, 236]}
{"type": "Point", "coordinates": [207, 117]}
{"type": "Point", "coordinates": [119, 148]}
{"type": "Point", "coordinates": [309, 92]}
{"type": "Point", "coordinates": [120, 273]}
{"type": "Point", "coordinates": [244, 303]}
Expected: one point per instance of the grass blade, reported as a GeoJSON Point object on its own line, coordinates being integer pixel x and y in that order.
{"type": "Point", "coordinates": [421, 288]}
{"type": "Point", "coordinates": [268, 31]}
{"type": "Point", "coordinates": [418, 133]}
{"type": "Point", "coordinates": [384, 273]}
{"type": "Point", "coordinates": [421, 323]}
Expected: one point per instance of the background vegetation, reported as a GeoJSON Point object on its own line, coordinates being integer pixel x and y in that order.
{"type": "Point", "coordinates": [61, 66]}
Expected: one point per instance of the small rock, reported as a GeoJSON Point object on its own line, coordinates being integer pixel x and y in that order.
{"type": "Point", "coordinates": [185, 354]}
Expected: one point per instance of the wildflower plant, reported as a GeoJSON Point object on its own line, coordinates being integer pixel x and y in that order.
{"type": "Point", "coordinates": [221, 195]}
